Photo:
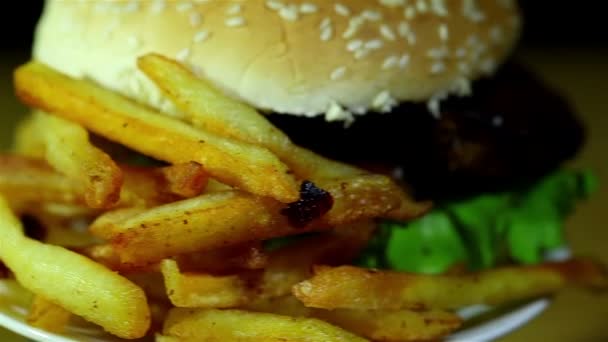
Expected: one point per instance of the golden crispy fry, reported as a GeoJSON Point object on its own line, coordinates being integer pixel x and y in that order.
{"type": "Point", "coordinates": [186, 180]}
{"type": "Point", "coordinates": [223, 219]}
{"type": "Point", "coordinates": [236, 325]}
{"type": "Point", "coordinates": [198, 290]}
{"type": "Point", "coordinates": [33, 181]}
{"type": "Point", "coordinates": [74, 282]}
{"type": "Point", "coordinates": [28, 140]}
{"type": "Point", "coordinates": [29, 180]}
{"type": "Point", "coordinates": [47, 316]}
{"type": "Point", "coordinates": [68, 150]}
{"type": "Point", "coordinates": [356, 288]}
{"type": "Point", "coordinates": [239, 164]}
{"type": "Point", "coordinates": [224, 260]}
{"type": "Point", "coordinates": [377, 325]}
{"type": "Point", "coordinates": [206, 222]}
{"type": "Point", "coordinates": [292, 264]}
{"type": "Point", "coordinates": [208, 108]}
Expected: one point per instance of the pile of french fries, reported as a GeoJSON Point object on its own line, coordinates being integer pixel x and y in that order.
{"type": "Point", "coordinates": [176, 250]}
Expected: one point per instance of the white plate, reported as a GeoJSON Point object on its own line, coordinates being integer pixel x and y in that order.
{"type": "Point", "coordinates": [14, 304]}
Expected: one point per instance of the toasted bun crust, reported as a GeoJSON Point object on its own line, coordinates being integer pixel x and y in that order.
{"type": "Point", "coordinates": [298, 57]}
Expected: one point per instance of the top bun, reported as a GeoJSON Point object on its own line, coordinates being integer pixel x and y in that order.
{"type": "Point", "coordinates": [301, 57]}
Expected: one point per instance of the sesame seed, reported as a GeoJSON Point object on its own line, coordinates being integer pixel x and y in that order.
{"type": "Point", "coordinates": [496, 34]}
{"type": "Point", "coordinates": [390, 62]}
{"type": "Point", "coordinates": [421, 6]}
{"type": "Point", "coordinates": [439, 8]}
{"type": "Point", "coordinates": [183, 6]}
{"type": "Point", "coordinates": [307, 8]}
{"type": "Point", "coordinates": [387, 32]}
{"type": "Point", "coordinates": [337, 73]}
{"type": "Point", "coordinates": [443, 32]}
{"type": "Point", "coordinates": [409, 13]}
{"type": "Point", "coordinates": [235, 21]}
{"type": "Point", "coordinates": [234, 9]}
{"type": "Point", "coordinates": [460, 52]}
{"type": "Point", "coordinates": [335, 112]}
{"type": "Point", "coordinates": [183, 55]}
{"type": "Point", "coordinates": [471, 10]}
{"type": "Point", "coordinates": [383, 101]}
{"type": "Point", "coordinates": [411, 38]}
{"type": "Point", "coordinates": [361, 53]}
{"type": "Point", "coordinates": [327, 33]}
{"type": "Point", "coordinates": [201, 36]}
{"type": "Point", "coordinates": [437, 68]}
{"type": "Point", "coordinates": [404, 61]}
{"type": "Point", "coordinates": [342, 9]}
{"type": "Point", "coordinates": [403, 29]}
{"type": "Point", "coordinates": [438, 53]}
{"type": "Point", "coordinates": [289, 12]}
{"type": "Point", "coordinates": [354, 45]}
{"type": "Point", "coordinates": [195, 19]}
{"type": "Point", "coordinates": [464, 68]}
{"type": "Point", "coordinates": [371, 15]}
{"type": "Point", "coordinates": [353, 26]}
{"type": "Point", "coordinates": [325, 22]}
{"type": "Point", "coordinates": [274, 5]}
{"type": "Point", "coordinates": [373, 44]}
{"type": "Point", "coordinates": [392, 3]}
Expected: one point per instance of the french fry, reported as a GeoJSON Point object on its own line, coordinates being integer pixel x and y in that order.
{"type": "Point", "coordinates": [47, 316]}
{"type": "Point", "coordinates": [236, 325]}
{"type": "Point", "coordinates": [30, 180]}
{"type": "Point", "coordinates": [68, 150]}
{"type": "Point", "coordinates": [246, 166]}
{"type": "Point", "coordinates": [377, 325]}
{"type": "Point", "coordinates": [292, 264]}
{"type": "Point", "coordinates": [74, 282]}
{"type": "Point", "coordinates": [33, 181]}
{"type": "Point", "coordinates": [350, 287]}
{"type": "Point", "coordinates": [198, 290]}
{"type": "Point", "coordinates": [209, 109]}
{"type": "Point", "coordinates": [228, 260]}
{"type": "Point", "coordinates": [28, 140]}
{"type": "Point", "coordinates": [218, 220]}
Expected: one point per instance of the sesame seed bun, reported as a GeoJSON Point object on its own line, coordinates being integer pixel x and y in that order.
{"type": "Point", "coordinates": [312, 57]}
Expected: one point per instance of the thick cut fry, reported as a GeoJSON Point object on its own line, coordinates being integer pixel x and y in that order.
{"type": "Point", "coordinates": [197, 290]}
{"type": "Point", "coordinates": [236, 325]}
{"type": "Point", "coordinates": [34, 181]}
{"type": "Point", "coordinates": [74, 282]}
{"type": "Point", "coordinates": [47, 316]}
{"type": "Point", "coordinates": [293, 263]}
{"type": "Point", "coordinates": [228, 218]}
{"type": "Point", "coordinates": [206, 222]}
{"type": "Point", "coordinates": [246, 166]}
{"type": "Point", "coordinates": [356, 288]}
{"type": "Point", "coordinates": [68, 150]}
{"type": "Point", "coordinates": [227, 260]}
{"type": "Point", "coordinates": [377, 325]}
{"type": "Point", "coordinates": [207, 108]}
{"type": "Point", "coordinates": [28, 138]}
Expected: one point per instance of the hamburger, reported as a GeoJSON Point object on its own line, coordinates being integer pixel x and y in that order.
{"type": "Point", "coordinates": [407, 100]}
{"type": "Point", "coordinates": [426, 91]}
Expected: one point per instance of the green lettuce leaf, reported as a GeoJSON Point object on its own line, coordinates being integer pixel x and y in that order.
{"type": "Point", "coordinates": [483, 231]}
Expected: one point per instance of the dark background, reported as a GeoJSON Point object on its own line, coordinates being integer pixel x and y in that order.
{"type": "Point", "coordinates": [547, 23]}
